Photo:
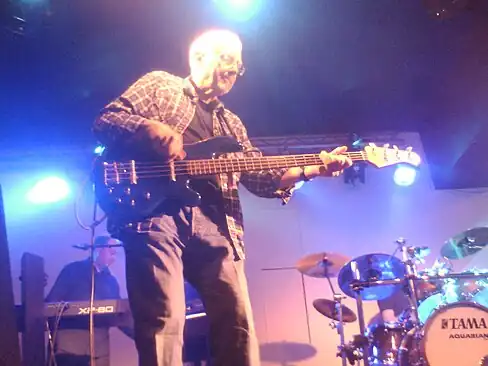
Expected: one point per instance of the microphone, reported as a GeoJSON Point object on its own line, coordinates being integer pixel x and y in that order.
{"type": "Point", "coordinates": [88, 246]}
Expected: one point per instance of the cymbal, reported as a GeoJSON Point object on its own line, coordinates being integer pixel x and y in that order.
{"type": "Point", "coordinates": [466, 243]}
{"type": "Point", "coordinates": [372, 267]}
{"type": "Point", "coordinates": [321, 265]}
{"type": "Point", "coordinates": [327, 308]}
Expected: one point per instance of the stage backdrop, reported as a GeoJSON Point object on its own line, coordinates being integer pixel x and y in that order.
{"type": "Point", "coordinates": [323, 215]}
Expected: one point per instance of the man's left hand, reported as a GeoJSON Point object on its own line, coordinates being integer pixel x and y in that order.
{"type": "Point", "coordinates": [334, 164]}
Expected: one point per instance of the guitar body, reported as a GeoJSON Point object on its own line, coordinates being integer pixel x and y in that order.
{"type": "Point", "coordinates": [124, 196]}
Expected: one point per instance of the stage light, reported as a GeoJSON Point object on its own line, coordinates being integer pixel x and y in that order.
{"type": "Point", "coordinates": [404, 175]}
{"type": "Point", "coordinates": [48, 190]}
{"type": "Point", "coordinates": [99, 150]}
{"type": "Point", "coordinates": [241, 10]}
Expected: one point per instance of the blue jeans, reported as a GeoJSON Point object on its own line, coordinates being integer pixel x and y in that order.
{"type": "Point", "coordinates": [159, 255]}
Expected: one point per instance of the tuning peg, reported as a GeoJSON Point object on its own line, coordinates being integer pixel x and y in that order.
{"type": "Point", "coordinates": [386, 146]}
{"type": "Point", "coordinates": [395, 147]}
{"type": "Point", "coordinates": [409, 149]}
{"type": "Point", "coordinates": [372, 144]}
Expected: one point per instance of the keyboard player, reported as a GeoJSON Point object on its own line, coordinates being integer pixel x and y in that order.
{"type": "Point", "coordinates": [71, 343]}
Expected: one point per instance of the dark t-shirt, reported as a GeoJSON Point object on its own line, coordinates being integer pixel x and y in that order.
{"type": "Point", "coordinates": [201, 128]}
{"type": "Point", "coordinates": [74, 284]}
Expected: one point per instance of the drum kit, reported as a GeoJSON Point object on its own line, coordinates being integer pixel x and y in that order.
{"type": "Point", "coordinates": [443, 316]}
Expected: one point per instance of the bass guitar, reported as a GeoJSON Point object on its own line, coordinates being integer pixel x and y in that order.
{"type": "Point", "coordinates": [132, 190]}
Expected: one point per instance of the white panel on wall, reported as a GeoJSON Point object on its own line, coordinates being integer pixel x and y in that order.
{"type": "Point", "coordinates": [324, 215]}
{"type": "Point", "coordinates": [285, 317]}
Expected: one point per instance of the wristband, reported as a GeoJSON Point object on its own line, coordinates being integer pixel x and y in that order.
{"type": "Point", "coordinates": [303, 177]}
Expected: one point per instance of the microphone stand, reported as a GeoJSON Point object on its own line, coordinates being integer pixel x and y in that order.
{"type": "Point", "coordinates": [339, 326]}
{"type": "Point", "coordinates": [92, 286]}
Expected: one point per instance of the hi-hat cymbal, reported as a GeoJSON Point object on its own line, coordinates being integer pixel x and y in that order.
{"type": "Point", "coordinates": [327, 308]}
{"type": "Point", "coordinates": [466, 243]}
{"type": "Point", "coordinates": [321, 265]}
{"type": "Point", "coordinates": [372, 267]}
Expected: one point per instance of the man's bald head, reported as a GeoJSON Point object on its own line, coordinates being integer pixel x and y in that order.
{"type": "Point", "coordinates": [215, 58]}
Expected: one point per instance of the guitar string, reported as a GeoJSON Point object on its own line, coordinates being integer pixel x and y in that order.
{"type": "Point", "coordinates": [224, 164]}
{"type": "Point", "coordinates": [189, 170]}
{"type": "Point", "coordinates": [351, 153]}
{"type": "Point", "coordinates": [295, 160]}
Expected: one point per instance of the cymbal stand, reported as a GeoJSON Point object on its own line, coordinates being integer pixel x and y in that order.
{"type": "Point", "coordinates": [338, 325]}
{"type": "Point", "coordinates": [359, 303]}
{"type": "Point", "coordinates": [408, 255]}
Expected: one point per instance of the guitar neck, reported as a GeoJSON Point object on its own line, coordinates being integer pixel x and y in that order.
{"type": "Point", "coordinates": [228, 165]}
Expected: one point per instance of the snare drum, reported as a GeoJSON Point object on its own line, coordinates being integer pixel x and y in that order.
{"type": "Point", "coordinates": [384, 341]}
{"type": "Point", "coordinates": [456, 334]}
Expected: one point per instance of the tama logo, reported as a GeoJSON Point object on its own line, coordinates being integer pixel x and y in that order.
{"type": "Point", "coordinates": [99, 309]}
{"type": "Point", "coordinates": [464, 323]}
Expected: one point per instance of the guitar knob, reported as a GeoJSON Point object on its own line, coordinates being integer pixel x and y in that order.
{"type": "Point", "coordinates": [127, 191]}
{"type": "Point", "coordinates": [132, 203]}
{"type": "Point", "coordinates": [147, 195]}
{"type": "Point", "coordinates": [119, 200]}
{"type": "Point", "coordinates": [110, 190]}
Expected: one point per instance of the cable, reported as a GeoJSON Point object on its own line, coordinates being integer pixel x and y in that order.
{"type": "Point", "coordinates": [92, 285]}
{"type": "Point", "coordinates": [52, 358]}
{"type": "Point", "coordinates": [79, 196]}
{"type": "Point", "coordinates": [52, 337]}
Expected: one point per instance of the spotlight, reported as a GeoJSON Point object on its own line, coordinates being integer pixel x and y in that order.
{"type": "Point", "coordinates": [404, 175]}
{"type": "Point", "coordinates": [241, 10]}
{"type": "Point", "coordinates": [48, 190]}
{"type": "Point", "coordinates": [99, 150]}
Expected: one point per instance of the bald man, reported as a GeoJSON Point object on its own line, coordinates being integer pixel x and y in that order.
{"type": "Point", "coordinates": [153, 120]}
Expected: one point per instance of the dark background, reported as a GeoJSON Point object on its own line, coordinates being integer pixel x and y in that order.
{"type": "Point", "coordinates": [313, 67]}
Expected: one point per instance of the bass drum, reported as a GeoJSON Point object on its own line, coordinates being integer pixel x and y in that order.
{"type": "Point", "coordinates": [454, 291]}
{"type": "Point", "coordinates": [456, 334]}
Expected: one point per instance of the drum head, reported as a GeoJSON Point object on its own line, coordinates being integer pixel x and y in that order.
{"type": "Point", "coordinates": [457, 334]}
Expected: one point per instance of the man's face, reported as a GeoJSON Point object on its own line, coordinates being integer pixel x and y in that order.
{"type": "Point", "coordinates": [218, 68]}
{"type": "Point", "coordinates": [106, 256]}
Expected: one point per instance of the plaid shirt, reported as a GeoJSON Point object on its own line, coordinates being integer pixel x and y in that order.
{"type": "Point", "coordinates": [167, 98]}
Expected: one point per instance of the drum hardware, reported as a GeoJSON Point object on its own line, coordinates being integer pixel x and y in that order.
{"type": "Point", "coordinates": [408, 255]}
{"type": "Point", "coordinates": [484, 361]}
{"type": "Point", "coordinates": [381, 269]}
{"type": "Point", "coordinates": [331, 309]}
{"type": "Point", "coordinates": [321, 265]}
{"type": "Point", "coordinates": [328, 265]}
{"type": "Point", "coordinates": [465, 244]}
{"type": "Point", "coordinates": [432, 293]}
{"type": "Point", "coordinates": [344, 353]}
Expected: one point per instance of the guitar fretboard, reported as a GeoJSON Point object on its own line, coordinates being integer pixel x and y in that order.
{"type": "Point", "coordinates": [228, 165]}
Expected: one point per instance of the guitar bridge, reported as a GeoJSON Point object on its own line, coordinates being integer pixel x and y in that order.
{"type": "Point", "coordinates": [116, 173]}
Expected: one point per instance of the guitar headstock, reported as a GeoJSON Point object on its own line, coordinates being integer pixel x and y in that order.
{"type": "Point", "coordinates": [386, 156]}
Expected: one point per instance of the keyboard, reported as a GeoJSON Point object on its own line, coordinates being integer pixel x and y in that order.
{"type": "Point", "coordinates": [194, 309]}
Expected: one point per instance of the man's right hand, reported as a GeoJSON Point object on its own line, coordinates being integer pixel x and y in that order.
{"type": "Point", "coordinates": [162, 140]}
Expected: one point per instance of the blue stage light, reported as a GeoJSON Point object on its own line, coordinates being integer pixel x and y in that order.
{"type": "Point", "coordinates": [48, 190]}
{"type": "Point", "coordinates": [241, 10]}
{"type": "Point", "coordinates": [404, 175]}
{"type": "Point", "coordinates": [99, 150]}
